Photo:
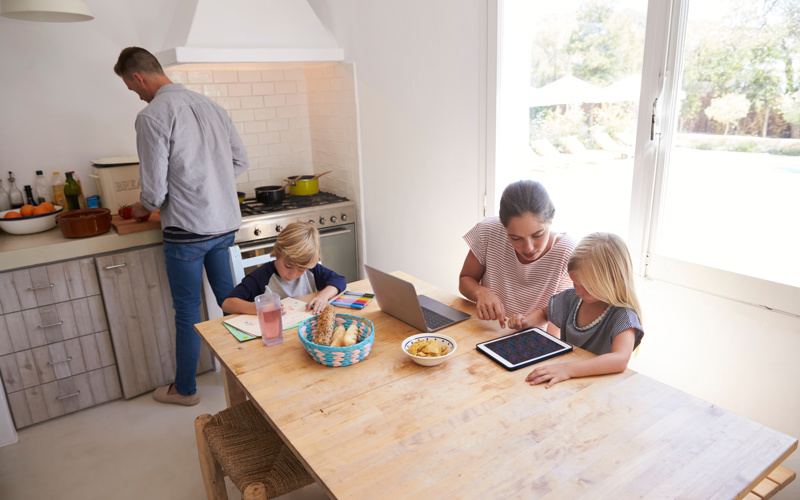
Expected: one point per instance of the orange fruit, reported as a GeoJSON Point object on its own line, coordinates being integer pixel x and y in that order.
{"type": "Point", "coordinates": [40, 210]}
{"type": "Point", "coordinates": [12, 215]}
{"type": "Point", "coordinates": [26, 210]}
{"type": "Point", "coordinates": [47, 205]}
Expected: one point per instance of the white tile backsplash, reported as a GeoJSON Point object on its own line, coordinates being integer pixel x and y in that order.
{"type": "Point", "coordinates": [272, 76]}
{"type": "Point", "coordinates": [292, 121]}
{"type": "Point", "coordinates": [267, 88]}
{"type": "Point", "coordinates": [200, 76]}
{"type": "Point", "coordinates": [242, 115]}
{"type": "Point", "coordinates": [252, 102]}
{"type": "Point", "coordinates": [215, 90]}
{"type": "Point", "coordinates": [221, 76]}
{"type": "Point", "coordinates": [266, 113]}
{"type": "Point", "coordinates": [249, 76]}
{"type": "Point", "coordinates": [240, 89]}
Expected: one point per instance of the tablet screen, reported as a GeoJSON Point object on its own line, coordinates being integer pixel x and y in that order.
{"type": "Point", "coordinates": [524, 348]}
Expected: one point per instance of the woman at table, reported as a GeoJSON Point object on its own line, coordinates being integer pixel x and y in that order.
{"type": "Point", "coordinates": [516, 262]}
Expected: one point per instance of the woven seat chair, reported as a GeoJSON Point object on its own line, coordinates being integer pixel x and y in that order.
{"type": "Point", "coordinates": [239, 443]}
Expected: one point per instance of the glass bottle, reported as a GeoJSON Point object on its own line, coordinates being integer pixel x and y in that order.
{"type": "Point", "coordinates": [42, 191]}
{"type": "Point", "coordinates": [81, 198]}
{"type": "Point", "coordinates": [29, 196]}
{"type": "Point", "coordinates": [72, 192]}
{"type": "Point", "coordinates": [5, 203]}
{"type": "Point", "coordinates": [58, 190]}
{"type": "Point", "coordinates": [14, 194]}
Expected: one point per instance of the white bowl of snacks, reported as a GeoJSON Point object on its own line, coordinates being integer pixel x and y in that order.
{"type": "Point", "coordinates": [429, 349]}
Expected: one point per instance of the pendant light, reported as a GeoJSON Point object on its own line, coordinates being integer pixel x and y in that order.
{"type": "Point", "coordinates": [49, 11]}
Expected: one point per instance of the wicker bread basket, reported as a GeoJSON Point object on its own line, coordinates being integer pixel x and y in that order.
{"type": "Point", "coordinates": [338, 356]}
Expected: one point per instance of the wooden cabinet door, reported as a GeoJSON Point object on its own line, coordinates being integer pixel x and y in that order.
{"type": "Point", "coordinates": [141, 319]}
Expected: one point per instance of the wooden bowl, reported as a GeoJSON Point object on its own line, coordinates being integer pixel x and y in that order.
{"type": "Point", "coordinates": [83, 223]}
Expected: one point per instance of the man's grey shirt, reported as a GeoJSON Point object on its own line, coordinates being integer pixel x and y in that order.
{"type": "Point", "coordinates": [189, 157]}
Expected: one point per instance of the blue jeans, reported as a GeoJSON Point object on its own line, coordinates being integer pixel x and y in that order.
{"type": "Point", "coordinates": [185, 263]}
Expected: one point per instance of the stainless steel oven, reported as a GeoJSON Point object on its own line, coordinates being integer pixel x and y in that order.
{"type": "Point", "coordinates": [333, 215]}
{"type": "Point", "coordinates": [338, 248]}
{"type": "Point", "coordinates": [334, 220]}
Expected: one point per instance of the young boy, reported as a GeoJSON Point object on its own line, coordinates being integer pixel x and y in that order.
{"type": "Point", "coordinates": [294, 272]}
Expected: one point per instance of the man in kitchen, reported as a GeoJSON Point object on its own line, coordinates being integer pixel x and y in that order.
{"type": "Point", "coordinates": [189, 157]}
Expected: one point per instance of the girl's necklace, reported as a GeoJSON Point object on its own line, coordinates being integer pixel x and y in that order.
{"type": "Point", "coordinates": [593, 323]}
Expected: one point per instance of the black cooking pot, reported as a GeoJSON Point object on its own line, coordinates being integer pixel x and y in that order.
{"type": "Point", "coordinates": [270, 195]}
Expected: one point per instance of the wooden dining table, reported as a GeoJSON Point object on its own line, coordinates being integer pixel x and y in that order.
{"type": "Point", "coordinates": [389, 428]}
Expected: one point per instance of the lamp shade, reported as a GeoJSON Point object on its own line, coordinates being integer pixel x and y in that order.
{"type": "Point", "coordinates": [49, 11]}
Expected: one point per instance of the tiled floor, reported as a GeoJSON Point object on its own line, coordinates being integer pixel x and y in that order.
{"type": "Point", "coordinates": [737, 356]}
{"type": "Point", "coordinates": [122, 450]}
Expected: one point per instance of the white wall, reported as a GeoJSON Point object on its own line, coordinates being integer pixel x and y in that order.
{"type": "Point", "coordinates": [62, 105]}
{"type": "Point", "coordinates": [417, 82]}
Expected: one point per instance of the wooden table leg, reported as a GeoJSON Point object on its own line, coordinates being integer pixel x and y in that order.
{"type": "Point", "coordinates": [234, 394]}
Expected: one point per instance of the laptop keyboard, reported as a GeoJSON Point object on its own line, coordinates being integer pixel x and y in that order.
{"type": "Point", "coordinates": [435, 320]}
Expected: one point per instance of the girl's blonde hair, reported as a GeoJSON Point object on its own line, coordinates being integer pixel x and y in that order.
{"type": "Point", "coordinates": [298, 244]}
{"type": "Point", "coordinates": [604, 264]}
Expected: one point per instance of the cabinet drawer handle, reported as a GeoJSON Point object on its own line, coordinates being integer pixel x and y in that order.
{"type": "Point", "coordinates": [53, 324]}
{"type": "Point", "coordinates": [76, 393]}
{"type": "Point", "coordinates": [115, 266]}
{"type": "Point", "coordinates": [50, 363]}
{"type": "Point", "coordinates": [51, 285]}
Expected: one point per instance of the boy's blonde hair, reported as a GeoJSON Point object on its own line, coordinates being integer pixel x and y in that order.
{"type": "Point", "coordinates": [298, 244]}
{"type": "Point", "coordinates": [604, 264]}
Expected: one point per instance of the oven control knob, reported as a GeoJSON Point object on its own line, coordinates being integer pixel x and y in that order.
{"type": "Point", "coordinates": [257, 232]}
{"type": "Point", "coordinates": [322, 221]}
{"type": "Point", "coordinates": [333, 220]}
{"type": "Point", "coordinates": [344, 217]}
{"type": "Point", "coordinates": [279, 228]}
{"type": "Point", "coordinates": [311, 221]}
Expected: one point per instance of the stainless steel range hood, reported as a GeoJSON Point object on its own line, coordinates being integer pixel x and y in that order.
{"type": "Point", "coordinates": [245, 34]}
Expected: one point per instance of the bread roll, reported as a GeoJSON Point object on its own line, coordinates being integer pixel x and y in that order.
{"type": "Point", "coordinates": [338, 336]}
{"type": "Point", "coordinates": [351, 335]}
{"type": "Point", "coordinates": [325, 325]}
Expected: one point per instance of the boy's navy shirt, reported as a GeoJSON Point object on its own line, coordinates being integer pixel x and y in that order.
{"type": "Point", "coordinates": [266, 277]}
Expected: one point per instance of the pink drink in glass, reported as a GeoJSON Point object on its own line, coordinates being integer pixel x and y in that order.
{"type": "Point", "coordinates": [268, 306]}
{"type": "Point", "coordinates": [271, 326]}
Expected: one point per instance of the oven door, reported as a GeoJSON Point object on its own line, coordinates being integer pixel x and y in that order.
{"type": "Point", "coordinates": [337, 245]}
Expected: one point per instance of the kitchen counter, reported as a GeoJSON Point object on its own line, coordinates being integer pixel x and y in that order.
{"type": "Point", "coordinates": [24, 250]}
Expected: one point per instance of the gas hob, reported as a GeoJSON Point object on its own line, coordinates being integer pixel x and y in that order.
{"type": "Point", "coordinates": [323, 209]}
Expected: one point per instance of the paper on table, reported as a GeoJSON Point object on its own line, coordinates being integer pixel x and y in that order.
{"type": "Point", "coordinates": [294, 312]}
{"type": "Point", "coordinates": [240, 335]}
{"type": "Point", "coordinates": [248, 323]}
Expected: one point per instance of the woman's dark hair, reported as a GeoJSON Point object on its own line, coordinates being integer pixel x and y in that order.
{"type": "Point", "coordinates": [137, 60]}
{"type": "Point", "coordinates": [526, 196]}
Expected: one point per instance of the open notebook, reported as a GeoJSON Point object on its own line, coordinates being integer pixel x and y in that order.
{"type": "Point", "coordinates": [246, 327]}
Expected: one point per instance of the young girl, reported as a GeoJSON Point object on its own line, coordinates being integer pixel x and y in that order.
{"type": "Point", "coordinates": [600, 314]}
{"type": "Point", "coordinates": [295, 272]}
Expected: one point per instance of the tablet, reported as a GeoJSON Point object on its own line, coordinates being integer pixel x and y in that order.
{"type": "Point", "coordinates": [523, 348]}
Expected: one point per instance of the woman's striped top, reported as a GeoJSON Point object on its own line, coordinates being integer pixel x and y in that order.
{"type": "Point", "coordinates": [522, 288]}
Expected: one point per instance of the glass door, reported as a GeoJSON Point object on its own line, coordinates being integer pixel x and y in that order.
{"type": "Point", "coordinates": [675, 124]}
{"type": "Point", "coordinates": [568, 86]}
{"type": "Point", "coordinates": [725, 151]}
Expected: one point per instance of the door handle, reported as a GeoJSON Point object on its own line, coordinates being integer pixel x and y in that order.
{"type": "Point", "coordinates": [51, 285]}
{"type": "Point", "coordinates": [653, 119]}
{"type": "Point", "coordinates": [115, 266]}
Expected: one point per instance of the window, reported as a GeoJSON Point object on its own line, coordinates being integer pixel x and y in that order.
{"type": "Point", "coordinates": [672, 124]}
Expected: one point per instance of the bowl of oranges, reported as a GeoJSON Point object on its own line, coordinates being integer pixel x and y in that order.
{"type": "Point", "coordinates": [29, 219]}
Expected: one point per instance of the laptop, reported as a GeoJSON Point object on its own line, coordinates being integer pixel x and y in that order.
{"type": "Point", "coordinates": [398, 297]}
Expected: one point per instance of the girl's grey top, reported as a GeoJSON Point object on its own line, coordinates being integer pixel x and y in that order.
{"type": "Point", "coordinates": [596, 337]}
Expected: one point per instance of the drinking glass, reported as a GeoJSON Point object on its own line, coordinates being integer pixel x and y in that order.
{"type": "Point", "coordinates": [268, 306]}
